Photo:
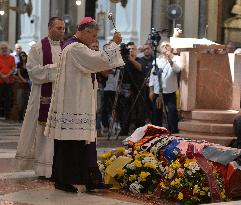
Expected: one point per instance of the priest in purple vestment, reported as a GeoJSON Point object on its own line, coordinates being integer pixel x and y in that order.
{"type": "Point", "coordinates": [35, 151]}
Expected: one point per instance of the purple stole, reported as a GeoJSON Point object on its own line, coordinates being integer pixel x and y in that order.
{"type": "Point", "coordinates": [46, 89]}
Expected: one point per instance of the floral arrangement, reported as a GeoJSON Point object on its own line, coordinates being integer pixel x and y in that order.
{"type": "Point", "coordinates": [107, 158]}
{"type": "Point", "coordinates": [142, 174]}
{"type": "Point", "coordinates": [187, 183]}
{"type": "Point", "coordinates": [182, 180]}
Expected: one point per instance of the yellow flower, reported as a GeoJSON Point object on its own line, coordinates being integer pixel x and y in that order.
{"type": "Point", "coordinates": [147, 154]}
{"type": "Point", "coordinates": [180, 196]}
{"type": "Point", "coordinates": [170, 173]}
{"type": "Point", "coordinates": [176, 182]}
{"type": "Point", "coordinates": [121, 172]}
{"type": "Point", "coordinates": [132, 177]}
{"type": "Point", "coordinates": [222, 194]}
{"type": "Point", "coordinates": [137, 148]}
{"type": "Point", "coordinates": [162, 185]}
{"type": "Point", "coordinates": [106, 155]}
{"type": "Point", "coordinates": [196, 189]}
{"type": "Point", "coordinates": [137, 163]}
{"type": "Point", "coordinates": [120, 150]}
{"type": "Point", "coordinates": [108, 162]}
{"type": "Point", "coordinates": [150, 165]}
{"type": "Point", "coordinates": [202, 193]}
{"type": "Point", "coordinates": [176, 165]}
{"type": "Point", "coordinates": [144, 175]}
{"type": "Point", "coordinates": [188, 161]}
{"type": "Point", "coordinates": [206, 189]}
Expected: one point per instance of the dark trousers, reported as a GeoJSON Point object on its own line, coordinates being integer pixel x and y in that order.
{"type": "Point", "coordinates": [140, 108]}
{"type": "Point", "coordinates": [108, 101]}
{"type": "Point", "coordinates": [171, 105]}
{"type": "Point", "coordinates": [75, 162]}
{"type": "Point", "coordinates": [156, 113]}
{"type": "Point", "coordinates": [237, 131]}
{"type": "Point", "coordinates": [6, 98]}
{"type": "Point", "coordinates": [124, 106]}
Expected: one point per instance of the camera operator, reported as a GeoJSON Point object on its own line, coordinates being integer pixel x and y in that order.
{"type": "Point", "coordinates": [169, 66]}
{"type": "Point", "coordinates": [147, 61]}
{"type": "Point", "coordinates": [133, 78]}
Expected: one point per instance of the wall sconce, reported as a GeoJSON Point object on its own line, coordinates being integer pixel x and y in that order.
{"type": "Point", "coordinates": [78, 2]}
{"type": "Point", "coordinates": [22, 7]}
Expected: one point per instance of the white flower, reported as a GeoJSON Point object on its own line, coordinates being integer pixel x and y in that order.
{"type": "Point", "coordinates": [193, 166]}
{"type": "Point", "coordinates": [113, 158]}
{"type": "Point", "coordinates": [101, 167]}
{"type": "Point", "coordinates": [126, 152]}
{"type": "Point", "coordinates": [135, 187]}
{"type": "Point", "coordinates": [163, 169]}
{"type": "Point", "coordinates": [130, 166]}
{"type": "Point", "coordinates": [149, 159]}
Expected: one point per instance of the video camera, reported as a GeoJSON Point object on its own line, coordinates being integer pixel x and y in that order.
{"type": "Point", "coordinates": [125, 51]}
{"type": "Point", "coordinates": [155, 37]}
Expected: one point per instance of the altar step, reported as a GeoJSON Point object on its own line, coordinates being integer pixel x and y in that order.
{"type": "Point", "coordinates": [212, 125]}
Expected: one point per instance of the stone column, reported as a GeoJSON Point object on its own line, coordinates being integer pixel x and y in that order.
{"type": "Point", "coordinates": [213, 15]}
{"type": "Point", "coordinates": [12, 28]}
{"type": "Point", "coordinates": [159, 14]}
{"type": "Point", "coordinates": [133, 21]}
{"type": "Point", "coordinates": [191, 16]}
{"type": "Point", "coordinates": [80, 11]}
{"type": "Point", "coordinates": [202, 27]}
{"type": "Point", "coordinates": [35, 27]}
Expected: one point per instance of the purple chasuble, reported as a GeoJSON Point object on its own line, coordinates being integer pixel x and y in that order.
{"type": "Point", "coordinates": [46, 89]}
{"type": "Point", "coordinates": [74, 39]}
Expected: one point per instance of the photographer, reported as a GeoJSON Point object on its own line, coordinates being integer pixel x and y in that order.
{"type": "Point", "coordinates": [169, 66]}
{"type": "Point", "coordinates": [131, 112]}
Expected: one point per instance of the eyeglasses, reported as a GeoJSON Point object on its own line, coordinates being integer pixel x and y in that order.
{"type": "Point", "coordinates": [23, 56]}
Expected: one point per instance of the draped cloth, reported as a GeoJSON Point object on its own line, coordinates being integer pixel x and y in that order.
{"type": "Point", "coordinates": [46, 89]}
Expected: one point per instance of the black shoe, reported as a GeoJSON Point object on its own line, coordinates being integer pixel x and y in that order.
{"type": "Point", "coordinates": [90, 187]}
{"type": "Point", "coordinates": [66, 187]}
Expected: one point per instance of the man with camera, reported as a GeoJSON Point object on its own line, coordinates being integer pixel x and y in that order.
{"type": "Point", "coordinates": [132, 99]}
{"type": "Point", "coordinates": [169, 65]}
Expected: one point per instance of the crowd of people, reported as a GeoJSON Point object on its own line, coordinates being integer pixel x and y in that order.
{"type": "Point", "coordinates": [15, 83]}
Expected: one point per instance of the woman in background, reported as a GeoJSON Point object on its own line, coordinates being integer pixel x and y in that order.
{"type": "Point", "coordinates": [24, 85]}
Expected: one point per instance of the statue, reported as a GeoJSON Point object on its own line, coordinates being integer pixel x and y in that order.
{"type": "Point", "coordinates": [237, 8]}
{"type": "Point", "coordinates": [232, 26]}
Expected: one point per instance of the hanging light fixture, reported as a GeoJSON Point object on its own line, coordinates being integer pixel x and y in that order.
{"type": "Point", "coordinates": [78, 2]}
{"type": "Point", "coordinates": [2, 7]}
{"type": "Point", "coordinates": [123, 2]}
{"type": "Point", "coordinates": [22, 7]}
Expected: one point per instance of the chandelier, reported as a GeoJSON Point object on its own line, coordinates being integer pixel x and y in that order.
{"type": "Point", "coordinates": [21, 8]}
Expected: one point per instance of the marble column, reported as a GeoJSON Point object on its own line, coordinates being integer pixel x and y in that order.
{"type": "Point", "coordinates": [159, 14]}
{"type": "Point", "coordinates": [80, 11]}
{"type": "Point", "coordinates": [133, 21]}
{"type": "Point", "coordinates": [12, 28]}
{"type": "Point", "coordinates": [35, 27]}
{"type": "Point", "coordinates": [213, 15]}
{"type": "Point", "coordinates": [202, 27]}
{"type": "Point", "coordinates": [191, 18]}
